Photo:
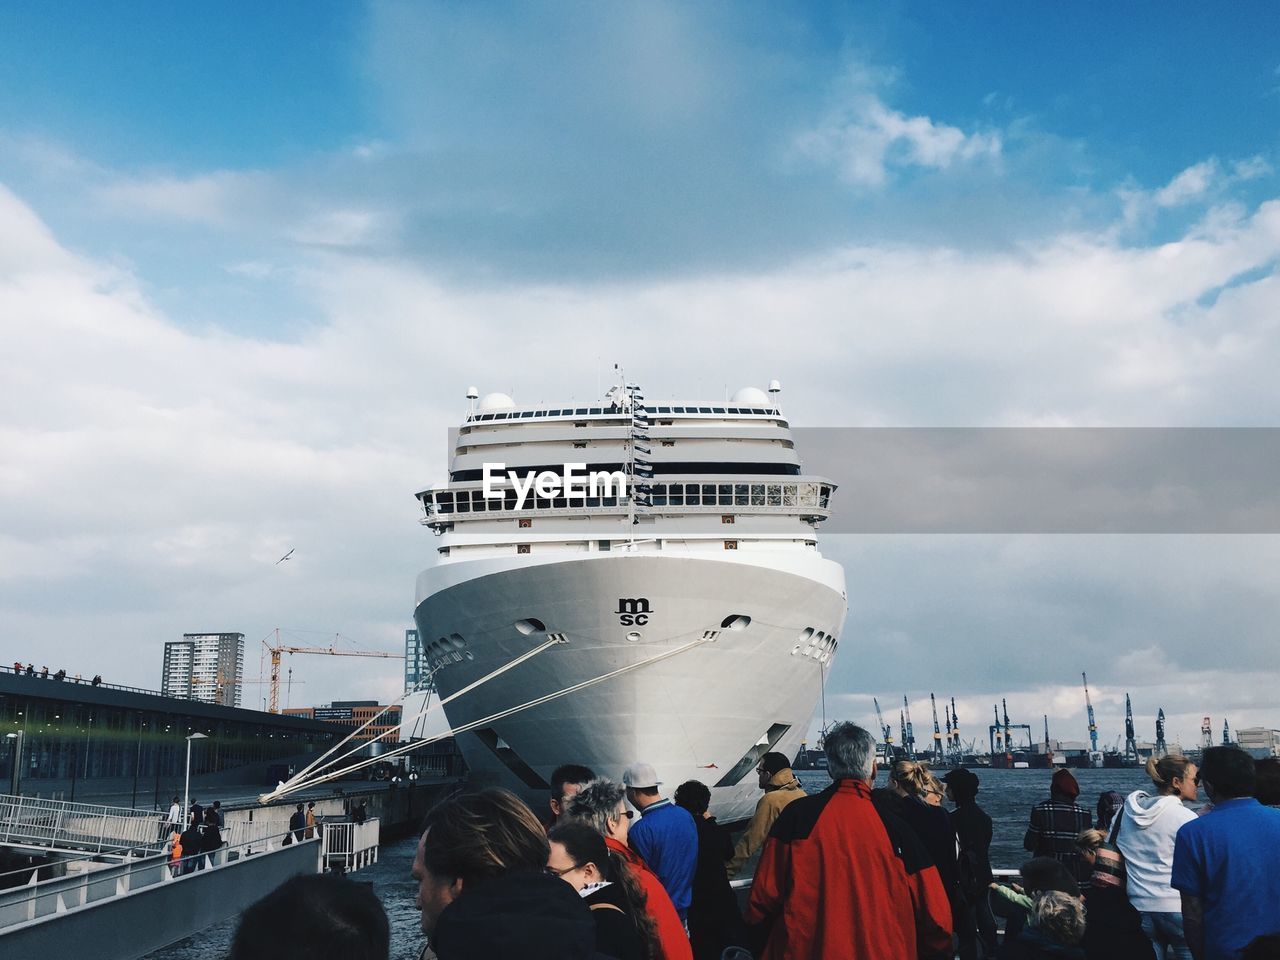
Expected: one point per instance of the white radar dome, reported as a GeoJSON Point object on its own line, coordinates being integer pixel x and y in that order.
{"type": "Point", "coordinates": [496, 401]}
{"type": "Point", "coordinates": [751, 397]}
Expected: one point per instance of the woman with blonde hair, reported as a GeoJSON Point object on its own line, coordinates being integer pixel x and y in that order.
{"type": "Point", "coordinates": [910, 785]}
{"type": "Point", "coordinates": [1144, 831]}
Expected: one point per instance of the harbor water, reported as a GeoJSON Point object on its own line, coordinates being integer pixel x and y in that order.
{"type": "Point", "coordinates": [1007, 795]}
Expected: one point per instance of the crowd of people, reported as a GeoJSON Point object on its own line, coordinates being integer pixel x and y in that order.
{"type": "Point", "coordinates": [59, 674]}
{"type": "Point", "coordinates": [623, 870]}
{"type": "Point", "coordinates": [191, 841]}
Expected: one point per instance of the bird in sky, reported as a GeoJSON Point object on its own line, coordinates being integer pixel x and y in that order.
{"type": "Point", "coordinates": [285, 557]}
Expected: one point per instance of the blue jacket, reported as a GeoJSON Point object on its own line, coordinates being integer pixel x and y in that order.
{"type": "Point", "coordinates": [667, 838]}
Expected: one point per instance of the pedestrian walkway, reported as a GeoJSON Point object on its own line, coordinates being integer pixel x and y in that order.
{"type": "Point", "coordinates": [56, 826]}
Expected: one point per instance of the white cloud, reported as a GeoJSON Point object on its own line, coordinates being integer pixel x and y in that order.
{"type": "Point", "coordinates": [1199, 183]}
{"type": "Point", "coordinates": [152, 476]}
{"type": "Point", "coordinates": [1191, 184]}
{"type": "Point", "coordinates": [868, 139]}
{"type": "Point", "coordinates": [214, 199]}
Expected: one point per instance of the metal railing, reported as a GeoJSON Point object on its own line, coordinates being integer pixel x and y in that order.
{"type": "Point", "coordinates": [81, 681]}
{"type": "Point", "coordinates": [62, 894]}
{"type": "Point", "coordinates": [58, 824]}
{"type": "Point", "coordinates": [349, 846]}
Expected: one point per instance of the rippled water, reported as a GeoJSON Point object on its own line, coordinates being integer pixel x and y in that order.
{"type": "Point", "coordinates": [1006, 795]}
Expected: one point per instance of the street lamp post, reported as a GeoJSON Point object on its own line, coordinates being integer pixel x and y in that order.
{"type": "Point", "coordinates": [15, 772]}
{"type": "Point", "coordinates": [186, 785]}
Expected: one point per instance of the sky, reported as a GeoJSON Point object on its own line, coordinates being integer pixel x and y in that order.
{"type": "Point", "coordinates": [252, 257]}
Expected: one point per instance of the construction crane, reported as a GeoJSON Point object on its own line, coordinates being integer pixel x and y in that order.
{"type": "Point", "coordinates": [910, 739]}
{"type": "Point", "coordinates": [1161, 748]}
{"type": "Point", "coordinates": [937, 731]}
{"type": "Point", "coordinates": [886, 732]}
{"type": "Point", "coordinates": [279, 648]}
{"type": "Point", "coordinates": [1093, 724]}
{"type": "Point", "coordinates": [1130, 744]}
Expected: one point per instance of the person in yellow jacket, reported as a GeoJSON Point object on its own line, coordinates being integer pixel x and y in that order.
{"type": "Point", "coordinates": [780, 787]}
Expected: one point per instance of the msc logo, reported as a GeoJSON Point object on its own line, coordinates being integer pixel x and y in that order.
{"type": "Point", "coordinates": [632, 612]}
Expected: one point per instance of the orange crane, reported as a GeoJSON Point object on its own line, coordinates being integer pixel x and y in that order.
{"type": "Point", "coordinates": [279, 648]}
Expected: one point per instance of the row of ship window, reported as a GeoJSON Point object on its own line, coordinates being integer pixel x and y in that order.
{"type": "Point", "coordinates": [614, 411]}
{"type": "Point", "coordinates": [661, 495]}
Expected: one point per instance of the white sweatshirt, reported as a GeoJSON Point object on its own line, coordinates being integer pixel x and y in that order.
{"type": "Point", "coordinates": [1148, 826]}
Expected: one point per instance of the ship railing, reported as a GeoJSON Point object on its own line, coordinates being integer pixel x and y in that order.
{"type": "Point", "coordinates": [62, 825]}
{"type": "Point", "coordinates": [44, 898]}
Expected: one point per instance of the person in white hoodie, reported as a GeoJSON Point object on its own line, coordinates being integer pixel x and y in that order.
{"type": "Point", "coordinates": [1145, 833]}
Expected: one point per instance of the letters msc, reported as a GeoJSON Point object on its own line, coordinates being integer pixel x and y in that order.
{"type": "Point", "coordinates": [575, 482]}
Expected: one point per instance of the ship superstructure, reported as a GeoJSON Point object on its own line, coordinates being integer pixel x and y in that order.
{"type": "Point", "coordinates": [697, 538]}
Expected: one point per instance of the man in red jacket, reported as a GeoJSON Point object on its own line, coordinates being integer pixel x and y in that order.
{"type": "Point", "coordinates": [839, 880]}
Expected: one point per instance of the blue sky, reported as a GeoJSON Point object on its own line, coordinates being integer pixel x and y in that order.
{"type": "Point", "coordinates": [250, 258]}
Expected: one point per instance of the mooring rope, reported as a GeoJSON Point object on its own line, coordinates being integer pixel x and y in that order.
{"type": "Point", "coordinates": [298, 780]}
{"type": "Point", "coordinates": [500, 715]}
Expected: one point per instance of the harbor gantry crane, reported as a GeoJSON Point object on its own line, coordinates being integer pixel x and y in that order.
{"type": "Point", "coordinates": [1226, 733]}
{"type": "Point", "coordinates": [909, 739]}
{"type": "Point", "coordinates": [937, 731]}
{"type": "Point", "coordinates": [886, 732]}
{"type": "Point", "coordinates": [999, 735]}
{"type": "Point", "coordinates": [955, 728]}
{"type": "Point", "coordinates": [1130, 744]}
{"type": "Point", "coordinates": [1161, 748]}
{"type": "Point", "coordinates": [331, 651]}
{"type": "Point", "coordinates": [902, 726]}
{"type": "Point", "coordinates": [1093, 724]}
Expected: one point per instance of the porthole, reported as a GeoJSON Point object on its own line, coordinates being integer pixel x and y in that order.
{"type": "Point", "coordinates": [737, 621]}
{"type": "Point", "coordinates": [531, 625]}
{"type": "Point", "coordinates": [633, 636]}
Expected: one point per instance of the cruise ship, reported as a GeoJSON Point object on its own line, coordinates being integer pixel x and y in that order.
{"type": "Point", "coordinates": [672, 581]}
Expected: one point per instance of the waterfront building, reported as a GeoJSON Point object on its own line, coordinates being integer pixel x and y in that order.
{"type": "Point", "coordinates": [207, 667]}
{"type": "Point", "coordinates": [87, 741]}
{"type": "Point", "coordinates": [1260, 742]}
{"type": "Point", "coordinates": [353, 714]}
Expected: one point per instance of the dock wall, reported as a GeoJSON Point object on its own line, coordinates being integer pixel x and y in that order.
{"type": "Point", "coordinates": [133, 924]}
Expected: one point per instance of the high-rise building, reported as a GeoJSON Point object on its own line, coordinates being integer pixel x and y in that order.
{"type": "Point", "coordinates": [204, 666]}
{"type": "Point", "coordinates": [415, 667]}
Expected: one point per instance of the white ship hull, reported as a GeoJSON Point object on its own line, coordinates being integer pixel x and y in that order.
{"type": "Point", "coordinates": [696, 715]}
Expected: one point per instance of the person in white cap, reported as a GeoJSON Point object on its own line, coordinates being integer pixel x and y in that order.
{"type": "Point", "coordinates": [665, 835]}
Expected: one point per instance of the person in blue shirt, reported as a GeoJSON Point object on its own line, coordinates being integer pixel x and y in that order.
{"type": "Point", "coordinates": [1224, 863]}
{"type": "Point", "coordinates": [665, 835]}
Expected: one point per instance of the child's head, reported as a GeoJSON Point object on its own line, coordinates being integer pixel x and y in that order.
{"type": "Point", "coordinates": [1059, 916]}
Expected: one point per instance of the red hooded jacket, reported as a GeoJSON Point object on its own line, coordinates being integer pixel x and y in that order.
{"type": "Point", "coordinates": [839, 880]}
{"type": "Point", "coordinates": [671, 936]}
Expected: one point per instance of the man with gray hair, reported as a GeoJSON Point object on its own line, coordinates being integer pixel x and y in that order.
{"type": "Point", "coordinates": [839, 880]}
